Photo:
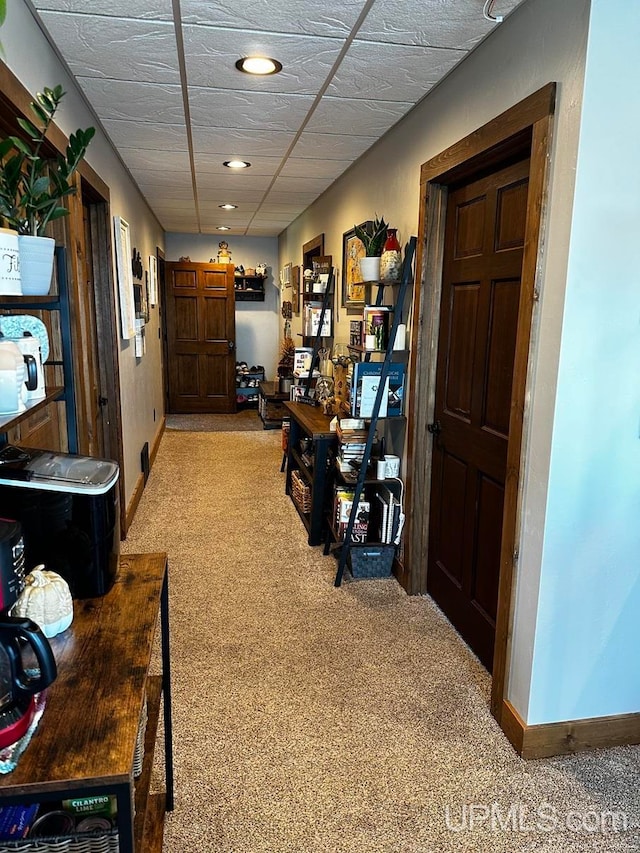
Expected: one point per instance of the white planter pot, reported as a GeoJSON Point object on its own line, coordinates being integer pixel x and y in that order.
{"type": "Point", "coordinates": [36, 264]}
{"type": "Point", "coordinates": [370, 269]}
{"type": "Point", "coordinates": [9, 263]}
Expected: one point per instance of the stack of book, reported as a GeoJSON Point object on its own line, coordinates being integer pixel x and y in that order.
{"type": "Point", "coordinates": [352, 439]}
{"type": "Point", "coordinates": [390, 515]}
{"type": "Point", "coordinates": [343, 502]}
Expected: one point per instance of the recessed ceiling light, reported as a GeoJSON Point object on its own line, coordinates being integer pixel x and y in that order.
{"type": "Point", "coordinates": [262, 65]}
{"type": "Point", "coordinates": [228, 206]}
{"type": "Point", "coordinates": [236, 164]}
{"type": "Point", "coordinates": [223, 228]}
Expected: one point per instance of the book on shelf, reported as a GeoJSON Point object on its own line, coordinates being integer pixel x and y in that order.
{"type": "Point", "coordinates": [312, 313]}
{"type": "Point", "coordinates": [390, 517]}
{"type": "Point", "coordinates": [376, 324]}
{"type": "Point", "coordinates": [366, 380]}
{"type": "Point", "coordinates": [302, 360]}
{"type": "Point", "coordinates": [355, 333]}
{"type": "Point", "coordinates": [342, 506]}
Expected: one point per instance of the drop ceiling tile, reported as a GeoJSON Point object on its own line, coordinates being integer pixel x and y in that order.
{"type": "Point", "coordinates": [148, 136]}
{"type": "Point", "coordinates": [212, 163]}
{"type": "Point", "coordinates": [250, 195]}
{"type": "Point", "coordinates": [211, 57]}
{"type": "Point", "coordinates": [431, 23]}
{"type": "Point", "coordinates": [291, 210]}
{"type": "Point", "coordinates": [133, 101]}
{"type": "Point", "coordinates": [228, 182]}
{"type": "Point", "coordinates": [253, 110]}
{"type": "Point", "coordinates": [280, 16]}
{"type": "Point", "coordinates": [157, 193]}
{"type": "Point", "coordinates": [233, 142]}
{"type": "Point", "coordinates": [162, 177]}
{"type": "Point", "coordinates": [357, 116]}
{"type": "Point", "coordinates": [111, 47]}
{"type": "Point", "coordinates": [179, 225]}
{"type": "Point", "coordinates": [390, 72]}
{"type": "Point", "coordinates": [297, 199]}
{"type": "Point", "coordinates": [135, 158]}
{"type": "Point", "coordinates": [156, 10]}
{"type": "Point", "coordinates": [169, 205]}
{"type": "Point", "coordinates": [294, 185]}
{"type": "Point", "coordinates": [333, 146]}
{"type": "Point", "coordinates": [259, 231]}
{"type": "Point", "coordinates": [298, 167]}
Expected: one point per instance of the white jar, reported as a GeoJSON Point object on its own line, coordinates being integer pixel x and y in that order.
{"type": "Point", "coordinates": [9, 263]}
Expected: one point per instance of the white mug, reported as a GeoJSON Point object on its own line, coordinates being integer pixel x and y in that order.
{"type": "Point", "coordinates": [392, 465]}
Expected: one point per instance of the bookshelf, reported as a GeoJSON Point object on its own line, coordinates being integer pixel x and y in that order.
{"type": "Point", "coordinates": [372, 557]}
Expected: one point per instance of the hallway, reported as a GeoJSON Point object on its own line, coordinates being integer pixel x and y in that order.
{"type": "Point", "coordinates": [309, 718]}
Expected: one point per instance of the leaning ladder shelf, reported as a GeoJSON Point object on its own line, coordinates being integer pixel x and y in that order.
{"type": "Point", "coordinates": [405, 280]}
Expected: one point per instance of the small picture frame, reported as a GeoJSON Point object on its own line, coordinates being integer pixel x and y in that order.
{"type": "Point", "coordinates": [125, 278]}
{"type": "Point", "coordinates": [295, 289]}
{"type": "Point", "coordinates": [153, 280]}
{"type": "Point", "coordinates": [353, 288]}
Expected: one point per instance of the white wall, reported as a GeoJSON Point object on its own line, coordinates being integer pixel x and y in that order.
{"type": "Point", "coordinates": [257, 323]}
{"type": "Point", "coordinates": [541, 42]}
{"type": "Point", "coordinates": [29, 56]}
{"type": "Point", "coordinates": [588, 632]}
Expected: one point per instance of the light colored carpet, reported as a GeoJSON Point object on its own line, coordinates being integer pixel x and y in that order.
{"type": "Point", "coordinates": [246, 419]}
{"type": "Point", "coordinates": [310, 719]}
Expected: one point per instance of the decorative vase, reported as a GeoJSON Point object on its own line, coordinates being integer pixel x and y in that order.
{"type": "Point", "coordinates": [9, 263]}
{"type": "Point", "coordinates": [390, 261]}
{"type": "Point", "coordinates": [36, 264]}
{"type": "Point", "coordinates": [370, 268]}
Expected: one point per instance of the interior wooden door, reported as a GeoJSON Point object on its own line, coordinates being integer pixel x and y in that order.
{"type": "Point", "coordinates": [201, 339]}
{"type": "Point", "coordinates": [484, 241]}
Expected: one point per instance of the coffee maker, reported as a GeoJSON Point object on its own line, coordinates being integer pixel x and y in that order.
{"type": "Point", "coordinates": [20, 676]}
{"type": "Point", "coordinates": [12, 564]}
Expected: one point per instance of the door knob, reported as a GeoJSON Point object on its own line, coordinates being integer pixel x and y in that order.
{"type": "Point", "coordinates": [435, 428]}
{"type": "Point", "coordinates": [231, 344]}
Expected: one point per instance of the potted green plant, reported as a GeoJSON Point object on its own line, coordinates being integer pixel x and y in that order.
{"type": "Point", "coordinates": [372, 235]}
{"type": "Point", "coordinates": [32, 187]}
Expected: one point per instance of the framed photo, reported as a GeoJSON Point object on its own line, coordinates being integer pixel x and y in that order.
{"type": "Point", "coordinates": [153, 280]}
{"type": "Point", "coordinates": [125, 278]}
{"type": "Point", "coordinates": [295, 289]}
{"type": "Point", "coordinates": [353, 289]}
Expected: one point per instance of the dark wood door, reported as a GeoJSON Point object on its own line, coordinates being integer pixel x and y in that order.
{"type": "Point", "coordinates": [201, 337]}
{"type": "Point", "coordinates": [484, 240]}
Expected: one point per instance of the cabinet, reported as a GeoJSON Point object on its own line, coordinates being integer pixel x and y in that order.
{"type": "Point", "coordinates": [310, 441]}
{"type": "Point", "coordinates": [85, 742]}
{"type": "Point", "coordinates": [58, 306]}
{"type": "Point", "coordinates": [249, 288]}
{"type": "Point", "coordinates": [271, 404]}
{"type": "Point", "coordinates": [380, 554]}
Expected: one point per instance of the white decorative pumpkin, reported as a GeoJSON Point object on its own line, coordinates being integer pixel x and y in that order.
{"type": "Point", "coordinates": [46, 600]}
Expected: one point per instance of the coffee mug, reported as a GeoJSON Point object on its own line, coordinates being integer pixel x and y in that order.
{"type": "Point", "coordinates": [392, 465]}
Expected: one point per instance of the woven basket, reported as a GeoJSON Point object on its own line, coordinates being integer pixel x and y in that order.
{"type": "Point", "coordinates": [371, 561]}
{"type": "Point", "coordinates": [89, 842]}
{"type": "Point", "coordinates": [300, 492]}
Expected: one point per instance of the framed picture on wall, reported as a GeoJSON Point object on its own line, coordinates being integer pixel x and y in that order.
{"type": "Point", "coordinates": [153, 280]}
{"type": "Point", "coordinates": [295, 289]}
{"type": "Point", "coordinates": [125, 278]}
{"type": "Point", "coordinates": [353, 288]}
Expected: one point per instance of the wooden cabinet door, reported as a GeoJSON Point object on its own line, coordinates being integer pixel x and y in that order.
{"type": "Point", "coordinates": [201, 337]}
{"type": "Point", "coordinates": [484, 241]}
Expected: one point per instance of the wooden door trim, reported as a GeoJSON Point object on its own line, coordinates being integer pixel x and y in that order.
{"type": "Point", "coordinates": [527, 123]}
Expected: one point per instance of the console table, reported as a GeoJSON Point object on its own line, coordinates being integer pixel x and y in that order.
{"type": "Point", "coordinates": [85, 742]}
{"type": "Point", "coordinates": [310, 426]}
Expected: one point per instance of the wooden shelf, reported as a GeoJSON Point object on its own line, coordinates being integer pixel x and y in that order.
{"type": "Point", "coordinates": [7, 422]}
{"type": "Point", "coordinates": [84, 743]}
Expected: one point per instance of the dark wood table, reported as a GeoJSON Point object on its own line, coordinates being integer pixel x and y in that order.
{"type": "Point", "coordinates": [271, 404]}
{"type": "Point", "coordinates": [85, 742]}
{"type": "Point", "coordinates": [309, 422]}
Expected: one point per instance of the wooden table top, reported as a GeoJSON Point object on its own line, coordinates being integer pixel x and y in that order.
{"type": "Point", "coordinates": [311, 419]}
{"type": "Point", "coordinates": [87, 734]}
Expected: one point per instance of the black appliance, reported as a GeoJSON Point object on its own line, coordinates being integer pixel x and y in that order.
{"type": "Point", "coordinates": [19, 682]}
{"type": "Point", "coordinates": [68, 508]}
{"type": "Point", "coordinates": [11, 563]}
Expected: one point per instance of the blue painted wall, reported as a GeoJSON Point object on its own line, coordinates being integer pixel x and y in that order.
{"type": "Point", "coordinates": [586, 661]}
